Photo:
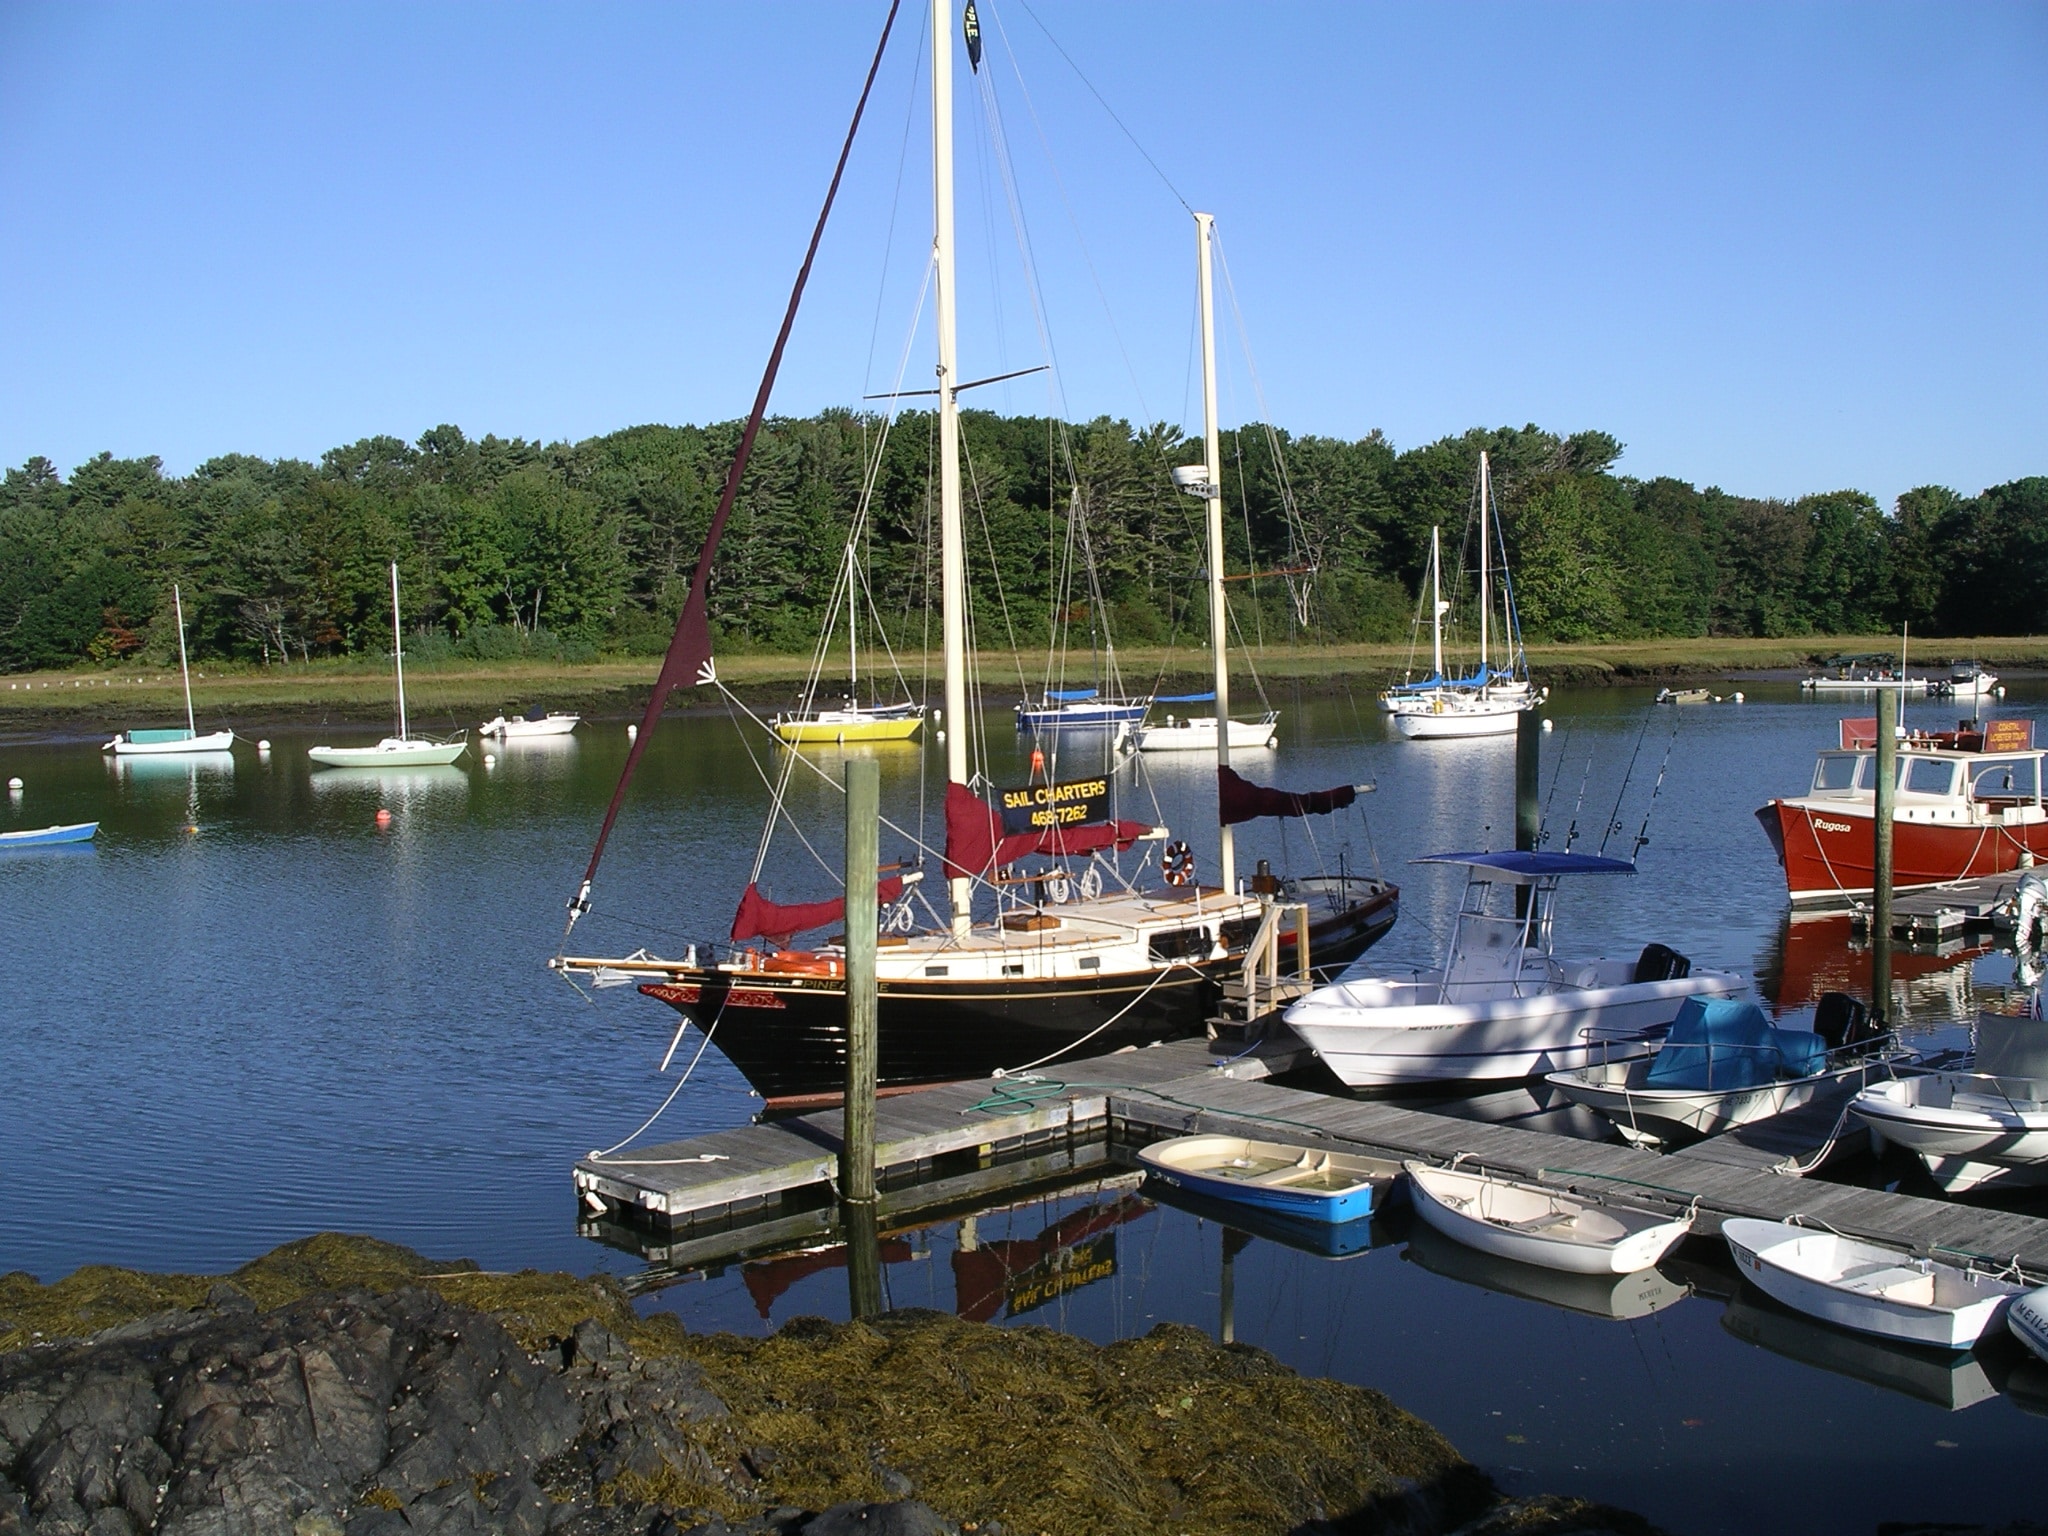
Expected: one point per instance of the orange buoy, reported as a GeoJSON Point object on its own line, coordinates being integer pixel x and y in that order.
{"type": "Point", "coordinates": [1037, 760]}
{"type": "Point", "coordinates": [383, 817]}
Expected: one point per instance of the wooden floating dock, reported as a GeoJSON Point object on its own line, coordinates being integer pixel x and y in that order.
{"type": "Point", "coordinates": [768, 1186]}
{"type": "Point", "coordinates": [1940, 912]}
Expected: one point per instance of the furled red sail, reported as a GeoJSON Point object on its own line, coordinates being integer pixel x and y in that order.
{"type": "Point", "coordinates": [1237, 799]}
{"type": "Point", "coordinates": [976, 842]}
{"type": "Point", "coordinates": [760, 918]}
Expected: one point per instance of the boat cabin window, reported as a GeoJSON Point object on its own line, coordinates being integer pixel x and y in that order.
{"type": "Point", "coordinates": [1866, 772]}
{"type": "Point", "coordinates": [2006, 778]}
{"type": "Point", "coordinates": [1837, 770]}
{"type": "Point", "coordinates": [1930, 776]}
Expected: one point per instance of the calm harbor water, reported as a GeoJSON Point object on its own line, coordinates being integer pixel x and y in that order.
{"type": "Point", "coordinates": [248, 1013]}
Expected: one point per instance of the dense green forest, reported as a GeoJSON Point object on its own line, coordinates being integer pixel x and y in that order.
{"type": "Point", "coordinates": [509, 547]}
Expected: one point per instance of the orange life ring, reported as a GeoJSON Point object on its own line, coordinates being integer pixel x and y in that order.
{"type": "Point", "coordinates": [803, 962]}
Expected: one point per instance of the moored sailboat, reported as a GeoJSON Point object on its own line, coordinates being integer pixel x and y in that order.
{"type": "Point", "coordinates": [166, 741]}
{"type": "Point", "coordinates": [400, 751]}
{"type": "Point", "coordinates": [1044, 941]}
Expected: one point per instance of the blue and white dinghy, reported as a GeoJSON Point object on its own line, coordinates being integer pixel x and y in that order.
{"type": "Point", "coordinates": [1310, 1182]}
{"type": "Point", "coordinates": [43, 837]}
{"type": "Point", "coordinates": [2028, 1320]}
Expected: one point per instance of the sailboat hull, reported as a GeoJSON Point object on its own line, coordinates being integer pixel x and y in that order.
{"type": "Point", "coordinates": [389, 753]}
{"type": "Point", "coordinates": [165, 743]}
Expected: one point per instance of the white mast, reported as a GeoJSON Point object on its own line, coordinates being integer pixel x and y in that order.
{"type": "Point", "coordinates": [852, 638]}
{"type": "Point", "coordinates": [185, 671]}
{"type": "Point", "coordinates": [952, 564]}
{"type": "Point", "coordinates": [1212, 461]}
{"type": "Point", "coordinates": [1436, 604]}
{"type": "Point", "coordinates": [1485, 564]}
{"type": "Point", "coordinates": [398, 650]}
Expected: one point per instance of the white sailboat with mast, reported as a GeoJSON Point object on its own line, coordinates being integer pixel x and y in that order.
{"type": "Point", "coordinates": [402, 750]}
{"type": "Point", "coordinates": [164, 742]}
{"type": "Point", "coordinates": [1069, 949]}
{"type": "Point", "coordinates": [1488, 702]}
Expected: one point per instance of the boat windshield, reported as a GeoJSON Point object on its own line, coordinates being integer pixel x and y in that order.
{"type": "Point", "coordinates": [2006, 778]}
{"type": "Point", "coordinates": [1930, 776]}
{"type": "Point", "coordinates": [1837, 770]}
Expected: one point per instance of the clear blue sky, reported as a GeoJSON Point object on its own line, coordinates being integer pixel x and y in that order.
{"type": "Point", "coordinates": [1779, 248]}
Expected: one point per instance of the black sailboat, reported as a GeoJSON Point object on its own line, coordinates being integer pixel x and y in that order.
{"type": "Point", "coordinates": [1045, 941]}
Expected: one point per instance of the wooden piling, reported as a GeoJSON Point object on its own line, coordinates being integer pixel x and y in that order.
{"type": "Point", "coordinates": [863, 838]}
{"type": "Point", "coordinates": [1881, 861]}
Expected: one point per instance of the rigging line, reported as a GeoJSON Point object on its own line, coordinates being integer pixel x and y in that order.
{"type": "Point", "coordinates": [689, 649]}
{"type": "Point", "coordinates": [625, 1140]}
{"type": "Point", "coordinates": [896, 197]}
{"type": "Point", "coordinates": [1031, 108]}
{"type": "Point", "coordinates": [1164, 179]}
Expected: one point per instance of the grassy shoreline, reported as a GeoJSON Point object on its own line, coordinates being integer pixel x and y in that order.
{"type": "Point", "coordinates": [445, 696]}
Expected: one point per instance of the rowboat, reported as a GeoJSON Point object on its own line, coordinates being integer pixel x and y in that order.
{"type": "Point", "coordinates": [1537, 1225]}
{"type": "Point", "coordinates": [1977, 1127]}
{"type": "Point", "coordinates": [40, 837]}
{"type": "Point", "coordinates": [1867, 1286]}
{"type": "Point", "coordinates": [1311, 1182]}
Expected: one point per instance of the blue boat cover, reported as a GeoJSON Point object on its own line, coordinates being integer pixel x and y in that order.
{"type": "Point", "coordinates": [1070, 695]}
{"type": "Point", "coordinates": [1723, 1043]}
{"type": "Point", "coordinates": [1184, 698]}
{"type": "Point", "coordinates": [1533, 863]}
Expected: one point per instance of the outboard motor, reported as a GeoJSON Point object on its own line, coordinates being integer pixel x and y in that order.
{"type": "Point", "coordinates": [1659, 962]}
{"type": "Point", "coordinates": [1841, 1020]}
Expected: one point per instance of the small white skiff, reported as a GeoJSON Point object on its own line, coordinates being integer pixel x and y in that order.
{"type": "Point", "coordinates": [1973, 1128]}
{"type": "Point", "coordinates": [528, 727]}
{"type": "Point", "coordinates": [1535, 1225]}
{"type": "Point", "coordinates": [1867, 1286]}
{"type": "Point", "coordinates": [1199, 734]}
{"type": "Point", "coordinates": [2028, 1320]}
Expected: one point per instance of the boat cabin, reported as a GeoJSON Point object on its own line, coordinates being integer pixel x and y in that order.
{"type": "Point", "coordinates": [1501, 940]}
{"type": "Point", "coordinates": [1975, 770]}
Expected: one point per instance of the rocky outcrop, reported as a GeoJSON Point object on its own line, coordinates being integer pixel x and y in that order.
{"type": "Point", "coordinates": [398, 1404]}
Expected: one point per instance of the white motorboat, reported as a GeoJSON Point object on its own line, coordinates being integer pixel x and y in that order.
{"type": "Point", "coordinates": [1867, 1286]}
{"type": "Point", "coordinates": [1198, 734]}
{"type": "Point", "coordinates": [1502, 1005]}
{"type": "Point", "coordinates": [2028, 1319]}
{"type": "Point", "coordinates": [171, 740]}
{"type": "Point", "coordinates": [1970, 682]}
{"type": "Point", "coordinates": [534, 723]}
{"type": "Point", "coordinates": [402, 750]}
{"type": "Point", "coordinates": [1722, 1065]}
{"type": "Point", "coordinates": [1533, 1224]}
{"type": "Point", "coordinates": [1986, 1125]}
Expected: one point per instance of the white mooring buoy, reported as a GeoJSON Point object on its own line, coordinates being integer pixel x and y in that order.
{"type": "Point", "coordinates": [632, 733]}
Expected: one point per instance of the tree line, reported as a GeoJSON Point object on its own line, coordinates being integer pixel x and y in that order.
{"type": "Point", "coordinates": [508, 547]}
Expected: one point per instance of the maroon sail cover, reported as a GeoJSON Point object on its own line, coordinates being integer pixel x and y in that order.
{"type": "Point", "coordinates": [1237, 800]}
{"type": "Point", "coordinates": [975, 842]}
{"type": "Point", "coordinates": [760, 918]}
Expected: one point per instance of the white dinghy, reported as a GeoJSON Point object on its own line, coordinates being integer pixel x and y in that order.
{"type": "Point", "coordinates": [1978, 1127]}
{"type": "Point", "coordinates": [1503, 1005]}
{"type": "Point", "coordinates": [1867, 1286]}
{"type": "Point", "coordinates": [1541, 1226]}
{"type": "Point", "coordinates": [2028, 1320]}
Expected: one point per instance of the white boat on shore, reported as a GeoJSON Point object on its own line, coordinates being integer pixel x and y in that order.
{"type": "Point", "coordinates": [1987, 1125]}
{"type": "Point", "coordinates": [1533, 1224]}
{"type": "Point", "coordinates": [1722, 1065]}
{"type": "Point", "coordinates": [1502, 1006]}
{"type": "Point", "coordinates": [1867, 1286]}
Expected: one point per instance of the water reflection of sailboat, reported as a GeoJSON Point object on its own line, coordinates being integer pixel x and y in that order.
{"type": "Point", "coordinates": [1947, 1379]}
{"type": "Point", "coordinates": [406, 785]}
{"type": "Point", "coordinates": [191, 768]}
{"type": "Point", "coordinates": [1612, 1296]}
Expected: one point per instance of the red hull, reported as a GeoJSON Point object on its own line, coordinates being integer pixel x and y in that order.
{"type": "Point", "coordinates": [1828, 854]}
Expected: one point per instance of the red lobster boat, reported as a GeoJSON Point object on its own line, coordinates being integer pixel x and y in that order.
{"type": "Point", "coordinates": [1968, 803]}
